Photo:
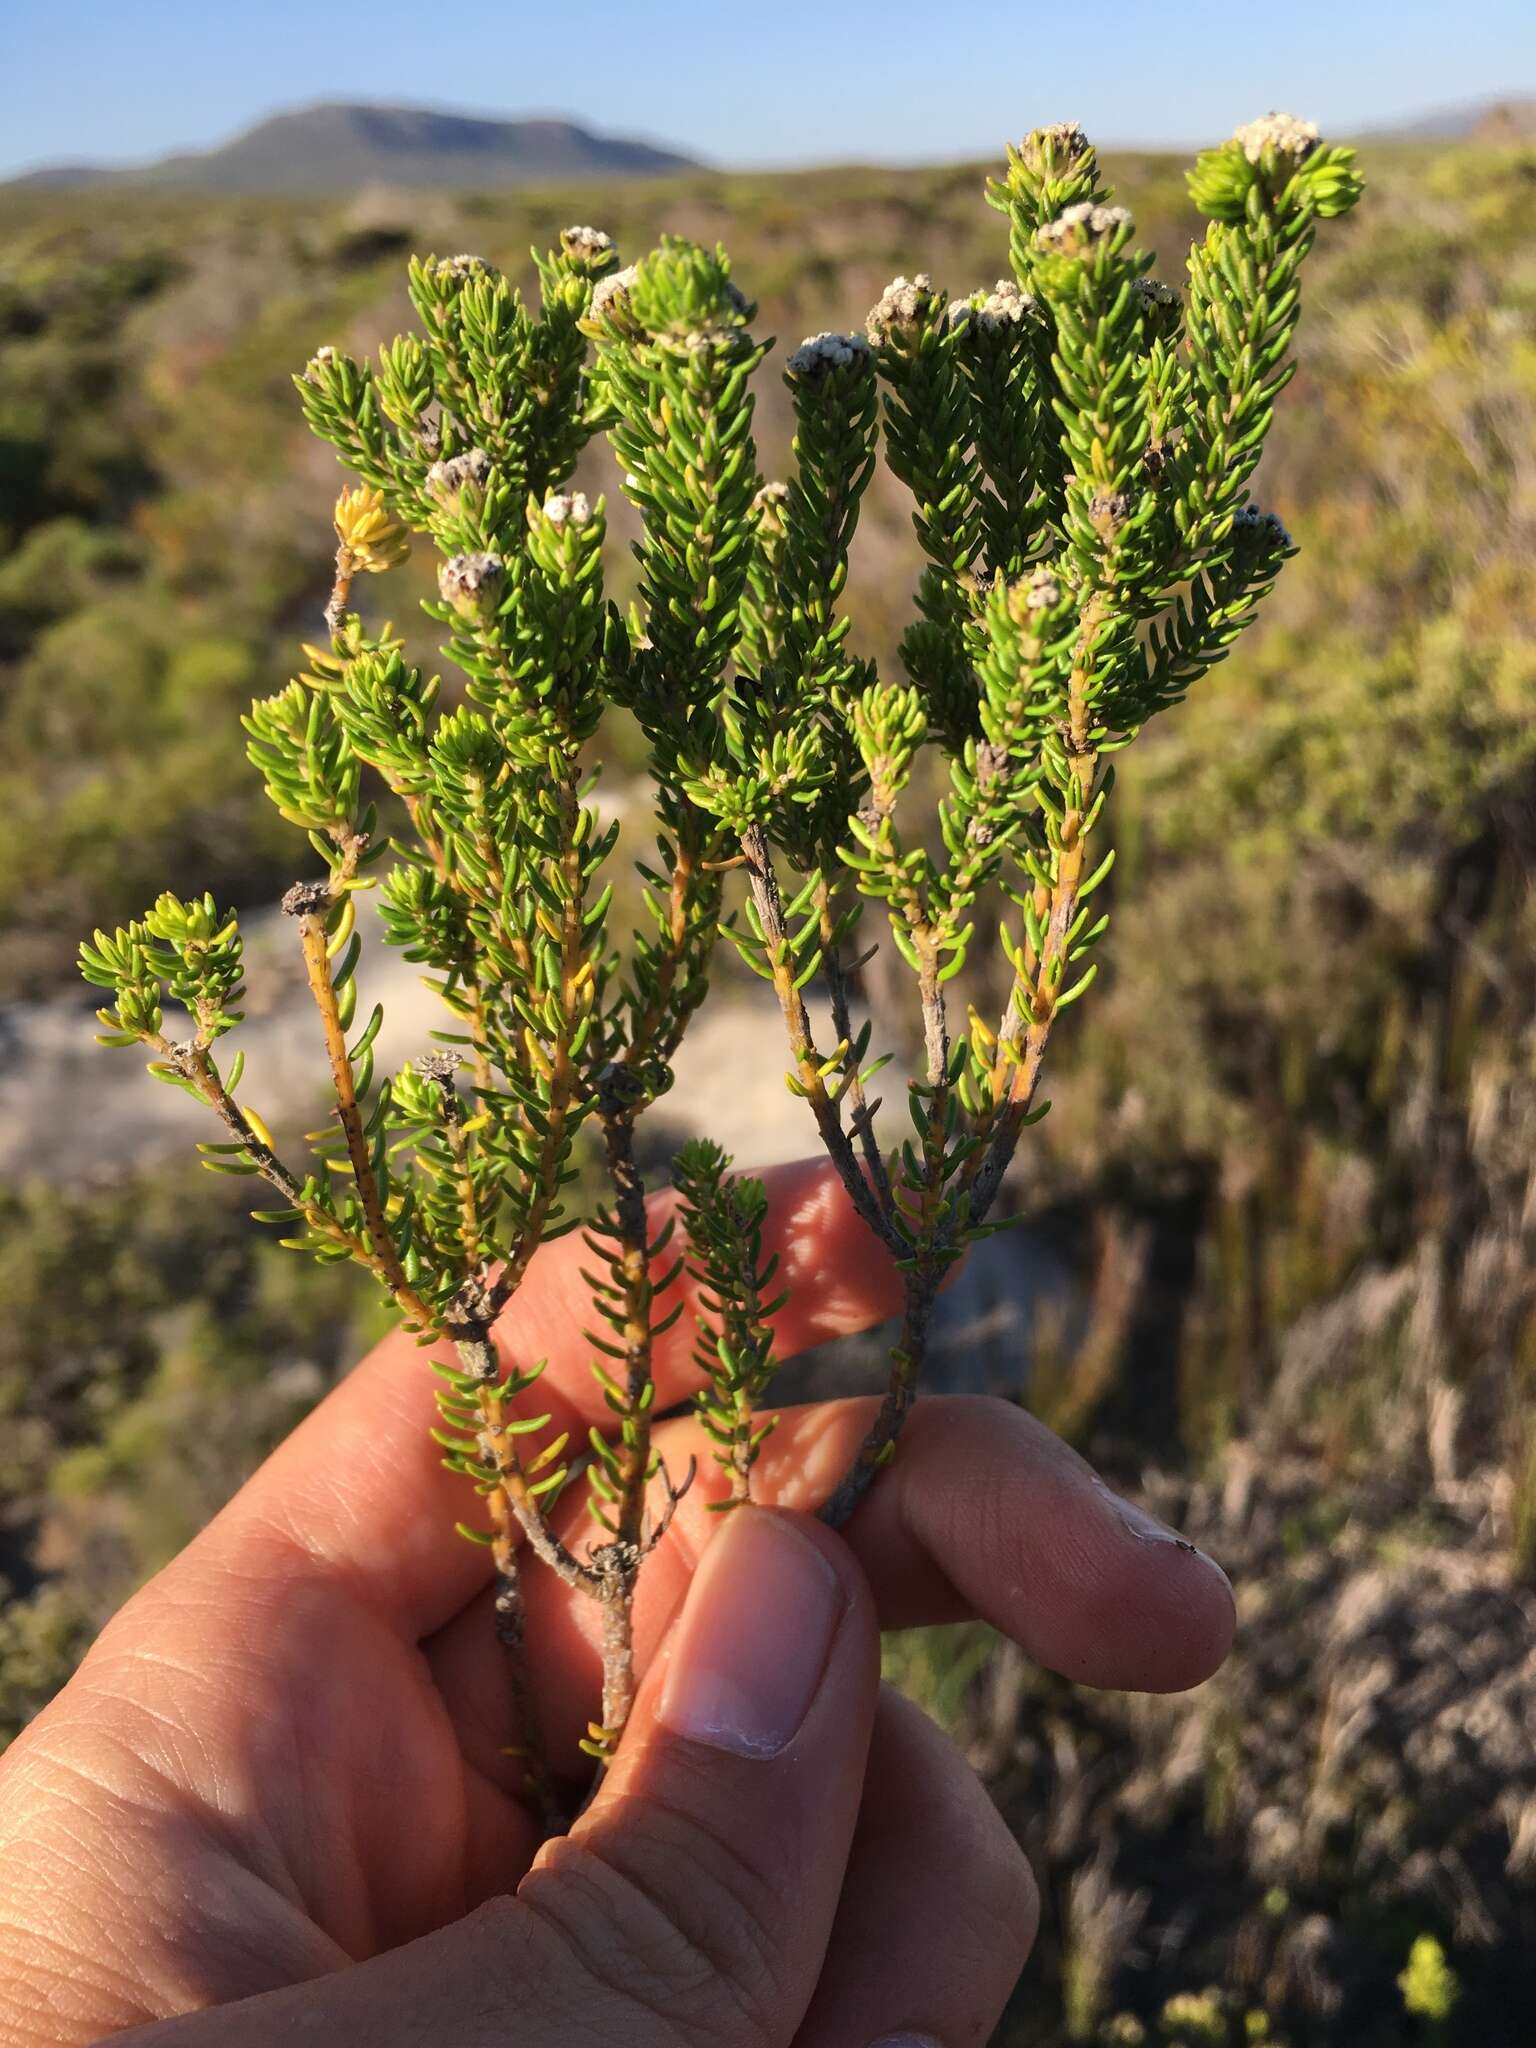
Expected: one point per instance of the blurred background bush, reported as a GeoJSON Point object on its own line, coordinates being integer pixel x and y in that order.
{"type": "Point", "coordinates": [1275, 1269]}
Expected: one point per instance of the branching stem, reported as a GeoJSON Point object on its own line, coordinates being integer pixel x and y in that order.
{"type": "Point", "coordinates": [808, 1063]}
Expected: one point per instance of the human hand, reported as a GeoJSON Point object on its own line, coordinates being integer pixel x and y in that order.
{"type": "Point", "coordinates": [276, 1793]}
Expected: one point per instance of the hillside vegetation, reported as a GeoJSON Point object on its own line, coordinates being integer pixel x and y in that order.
{"type": "Point", "coordinates": [1291, 1154]}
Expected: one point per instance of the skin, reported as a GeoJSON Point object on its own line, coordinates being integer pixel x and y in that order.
{"type": "Point", "coordinates": [273, 1804]}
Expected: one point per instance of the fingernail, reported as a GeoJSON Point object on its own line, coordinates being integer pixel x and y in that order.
{"type": "Point", "coordinates": [1146, 1528]}
{"type": "Point", "coordinates": [746, 1658]}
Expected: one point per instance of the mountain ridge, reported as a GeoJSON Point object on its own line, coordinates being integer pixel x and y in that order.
{"type": "Point", "coordinates": [338, 145]}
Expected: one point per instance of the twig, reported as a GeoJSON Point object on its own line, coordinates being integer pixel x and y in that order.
{"type": "Point", "coordinates": [1032, 1009]}
{"type": "Point", "coordinates": [300, 903]}
{"type": "Point", "coordinates": [797, 1023]}
{"type": "Point", "coordinates": [341, 590]}
{"type": "Point", "coordinates": [860, 1114]}
{"type": "Point", "coordinates": [925, 1270]}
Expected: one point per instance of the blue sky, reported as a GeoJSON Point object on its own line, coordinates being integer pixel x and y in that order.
{"type": "Point", "coordinates": [777, 83]}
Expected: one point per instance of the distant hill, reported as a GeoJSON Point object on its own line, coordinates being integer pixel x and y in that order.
{"type": "Point", "coordinates": [337, 147]}
{"type": "Point", "coordinates": [1509, 120]}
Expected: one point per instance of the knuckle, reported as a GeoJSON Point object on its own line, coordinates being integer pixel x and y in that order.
{"type": "Point", "coordinates": [671, 1919]}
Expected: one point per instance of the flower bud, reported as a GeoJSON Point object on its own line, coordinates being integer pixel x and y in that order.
{"type": "Point", "coordinates": [821, 356]}
{"type": "Point", "coordinates": [683, 296]}
{"type": "Point", "coordinates": [1048, 152]}
{"type": "Point", "coordinates": [1262, 531]}
{"type": "Point", "coordinates": [1031, 595]}
{"type": "Point", "coordinates": [1282, 159]}
{"type": "Point", "coordinates": [768, 507]}
{"type": "Point", "coordinates": [1161, 306]}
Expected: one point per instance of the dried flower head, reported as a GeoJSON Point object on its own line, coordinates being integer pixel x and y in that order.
{"type": "Point", "coordinates": [322, 359]}
{"type": "Point", "coordinates": [1109, 510]}
{"type": "Point", "coordinates": [445, 480]}
{"type": "Point", "coordinates": [1156, 293]}
{"type": "Point", "coordinates": [1285, 134]}
{"type": "Point", "coordinates": [472, 584]}
{"type": "Point", "coordinates": [1081, 227]}
{"type": "Point", "coordinates": [306, 899]}
{"type": "Point", "coordinates": [821, 354]}
{"type": "Point", "coordinates": [369, 531]}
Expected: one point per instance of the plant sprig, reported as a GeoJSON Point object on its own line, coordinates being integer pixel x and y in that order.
{"type": "Point", "coordinates": [1077, 442]}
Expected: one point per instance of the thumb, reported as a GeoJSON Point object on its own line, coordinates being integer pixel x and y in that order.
{"type": "Point", "coordinates": [703, 1879]}
{"type": "Point", "coordinates": [693, 1901]}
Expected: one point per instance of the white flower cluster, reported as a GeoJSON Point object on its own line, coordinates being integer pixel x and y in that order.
{"type": "Point", "coordinates": [901, 304]}
{"type": "Point", "coordinates": [458, 268]}
{"type": "Point", "coordinates": [1080, 227]}
{"type": "Point", "coordinates": [1042, 592]}
{"type": "Point", "coordinates": [567, 506]}
{"type": "Point", "coordinates": [609, 288]}
{"type": "Point", "coordinates": [1283, 133]}
{"type": "Point", "coordinates": [819, 354]}
{"type": "Point", "coordinates": [589, 242]}
{"type": "Point", "coordinates": [318, 361]}
{"type": "Point", "coordinates": [990, 312]}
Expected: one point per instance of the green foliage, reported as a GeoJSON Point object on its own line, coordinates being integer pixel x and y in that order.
{"type": "Point", "coordinates": [723, 1217]}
